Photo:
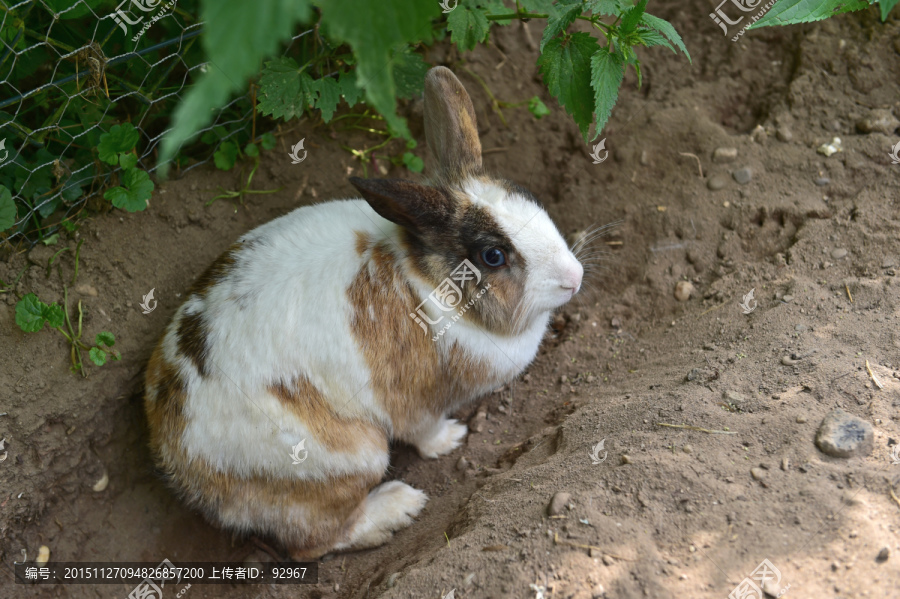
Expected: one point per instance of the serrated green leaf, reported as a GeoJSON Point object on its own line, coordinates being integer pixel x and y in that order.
{"type": "Point", "coordinates": [607, 71]}
{"type": "Point", "coordinates": [30, 313]}
{"type": "Point", "coordinates": [226, 155]}
{"type": "Point", "coordinates": [54, 315]}
{"type": "Point", "coordinates": [886, 6]}
{"type": "Point", "coordinates": [136, 189]}
{"type": "Point", "coordinates": [559, 23]}
{"type": "Point", "coordinates": [7, 209]}
{"type": "Point", "coordinates": [251, 150]}
{"type": "Point", "coordinates": [262, 27]}
{"type": "Point", "coordinates": [632, 17]}
{"type": "Point", "coordinates": [283, 92]}
{"type": "Point", "coordinates": [105, 338]}
{"type": "Point", "coordinates": [468, 25]}
{"type": "Point", "coordinates": [268, 141]}
{"type": "Point", "coordinates": [120, 138]}
{"type": "Point", "coordinates": [650, 38]}
{"type": "Point", "coordinates": [127, 160]}
{"type": "Point", "coordinates": [565, 65]}
{"type": "Point", "coordinates": [98, 356]}
{"type": "Point", "coordinates": [611, 8]}
{"type": "Point", "coordinates": [373, 30]}
{"type": "Point", "coordinates": [409, 73]}
{"type": "Point", "coordinates": [537, 108]}
{"type": "Point", "coordinates": [665, 28]}
{"type": "Point", "coordinates": [792, 12]}
{"type": "Point", "coordinates": [349, 89]}
{"type": "Point", "coordinates": [329, 95]}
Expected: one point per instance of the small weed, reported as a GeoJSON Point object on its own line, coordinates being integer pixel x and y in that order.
{"type": "Point", "coordinates": [226, 157]}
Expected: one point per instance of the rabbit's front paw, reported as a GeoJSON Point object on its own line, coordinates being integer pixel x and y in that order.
{"type": "Point", "coordinates": [389, 507]}
{"type": "Point", "coordinates": [443, 438]}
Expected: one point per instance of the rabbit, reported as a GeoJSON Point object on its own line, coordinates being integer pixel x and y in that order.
{"type": "Point", "coordinates": [320, 337]}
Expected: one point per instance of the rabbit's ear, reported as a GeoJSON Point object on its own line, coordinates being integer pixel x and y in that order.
{"type": "Point", "coordinates": [417, 208]}
{"type": "Point", "coordinates": [450, 127]}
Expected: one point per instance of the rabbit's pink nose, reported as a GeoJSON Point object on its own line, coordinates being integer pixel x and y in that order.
{"type": "Point", "coordinates": [571, 280]}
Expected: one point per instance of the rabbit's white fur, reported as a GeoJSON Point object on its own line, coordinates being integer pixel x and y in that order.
{"type": "Point", "coordinates": [302, 331]}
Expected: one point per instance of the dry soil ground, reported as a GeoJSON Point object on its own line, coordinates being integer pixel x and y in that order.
{"type": "Point", "coordinates": [669, 512]}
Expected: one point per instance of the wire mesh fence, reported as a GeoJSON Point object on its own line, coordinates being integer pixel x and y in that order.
{"type": "Point", "coordinates": [70, 70]}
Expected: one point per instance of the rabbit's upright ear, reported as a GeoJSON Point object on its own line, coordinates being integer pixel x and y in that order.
{"type": "Point", "coordinates": [450, 127]}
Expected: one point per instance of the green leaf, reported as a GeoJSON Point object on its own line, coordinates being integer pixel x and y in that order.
{"type": "Point", "coordinates": [496, 7]}
{"type": "Point", "coordinates": [226, 155]}
{"type": "Point", "coordinates": [119, 139]}
{"type": "Point", "coordinates": [98, 356]}
{"type": "Point", "coordinates": [413, 162]}
{"type": "Point", "coordinates": [792, 12]}
{"type": "Point", "coordinates": [565, 65]}
{"type": "Point", "coordinates": [50, 239]}
{"type": "Point", "coordinates": [75, 9]}
{"type": "Point", "coordinates": [127, 160]}
{"type": "Point", "coordinates": [650, 38]}
{"type": "Point", "coordinates": [284, 91]}
{"type": "Point", "coordinates": [54, 315]}
{"type": "Point", "coordinates": [607, 71]}
{"type": "Point", "coordinates": [612, 8]}
{"type": "Point", "coordinates": [373, 30]}
{"type": "Point", "coordinates": [544, 7]}
{"type": "Point", "coordinates": [886, 6]}
{"type": "Point", "coordinates": [468, 25]}
{"type": "Point", "coordinates": [137, 189]}
{"type": "Point", "coordinates": [665, 28]}
{"type": "Point", "coordinates": [349, 89]}
{"type": "Point", "coordinates": [7, 209]}
{"type": "Point", "coordinates": [409, 73]}
{"type": "Point", "coordinates": [559, 23]}
{"type": "Point", "coordinates": [268, 141]}
{"type": "Point", "coordinates": [537, 107]}
{"type": "Point", "coordinates": [329, 96]}
{"type": "Point", "coordinates": [105, 338]}
{"type": "Point", "coordinates": [261, 28]}
{"type": "Point", "coordinates": [30, 313]}
{"type": "Point", "coordinates": [251, 150]}
{"type": "Point", "coordinates": [631, 18]}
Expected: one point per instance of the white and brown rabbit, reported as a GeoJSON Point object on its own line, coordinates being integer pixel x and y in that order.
{"type": "Point", "coordinates": [345, 325]}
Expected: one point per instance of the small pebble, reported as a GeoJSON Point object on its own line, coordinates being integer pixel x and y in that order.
{"type": "Point", "coordinates": [757, 473]}
{"type": "Point", "coordinates": [888, 263]}
{"type": "Point", "coordinates": [687, 449]}
{"type": "Point", "coordinates": [800, 328]}
{"type": "Point", "coordinates": [716, 182]}
{"type": "Point", "coordinates": [838, 253]}
{"type": "Point", "coordinates": [788, 298]}
{"type": "Point", "coordinates": [787, 361]}
{"type": "Point", "coordinates": [392, 579]}
{"type": "Point", "coordinates": [467, 581]}
{"type": "Point", "coordinates": [683, 290]}
{"type": "Point", "coordinates": [801, 420]}
{"type": "Point", "coordinates": [626, 459]}
{"type": "Point", "coordinates": [645, 158]}
{"type": "Point", "coordinates": [88, 290]}
{"type": "Point", "coordinates": [462, 463]}
{"type": "Point", "coordinates": [721, 155]}
{"type": "Point", "coordinates": [608, 560]}
{"type": "Point", "coordinates": [101, 484]}
{"type": "Point", "coordinates": [43, 555]}
{"type": "Point", "coordinates": [785, 464]}
{"type": "Point", "coordinates": [842, 435]}
{"type": "Point", "coordinates": [784, 134]}
{"type": "Point", "coordinates": [883, 555]}
{"type": "Point", "coordinates": [758, 134]}
{"type": "Point", "coordinates": [733, 396]}
{"type": "Point", "coordinates": [879, 120]}
{"type": "Point", "coordinates": [558, 503]}
{"type": "Point", "coordinates": [822, 181]}
{"type": "Point", "coordinates": [742, 175]}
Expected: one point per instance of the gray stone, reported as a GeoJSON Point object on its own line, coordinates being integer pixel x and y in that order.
{"type": "Point", "coordinates": [842, 435]}
{"type": "Point", "coordinates": [742, 175]}
{"type": "Point", "coordinates": [784, 134]}
{"type": "Point", "coordinates": [838, 253]}
{"type": "Point", "coordinates": [757, 473]}
{"type": "Point", "coordinates": [883, 555]}
{"type": "Point", "coordinates": [822, 181]}
{"type": "Point", "coordinates": [716, 182]}
{"type": "Point", "coordinates": [558, 503]}
{"type": "Point", "coordinates": [683, 290]}
{"type": "Point", "coordinates": [733, 396]}
{"type": "Point", "coordinates": [879, 120]}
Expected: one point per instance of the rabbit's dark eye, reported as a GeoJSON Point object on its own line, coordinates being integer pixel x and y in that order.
{"type": "Point", "coordinates": [493, 257]}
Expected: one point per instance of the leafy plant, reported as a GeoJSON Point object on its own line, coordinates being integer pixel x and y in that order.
{"type": "Point", "coordinates": [792, 12]}
{"type": "Point", "coordinates": [32, 314]}
{"type": "Point", "coordinates": [116, 147]}
{"type": "Point", "coordinates": [226, 157]}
